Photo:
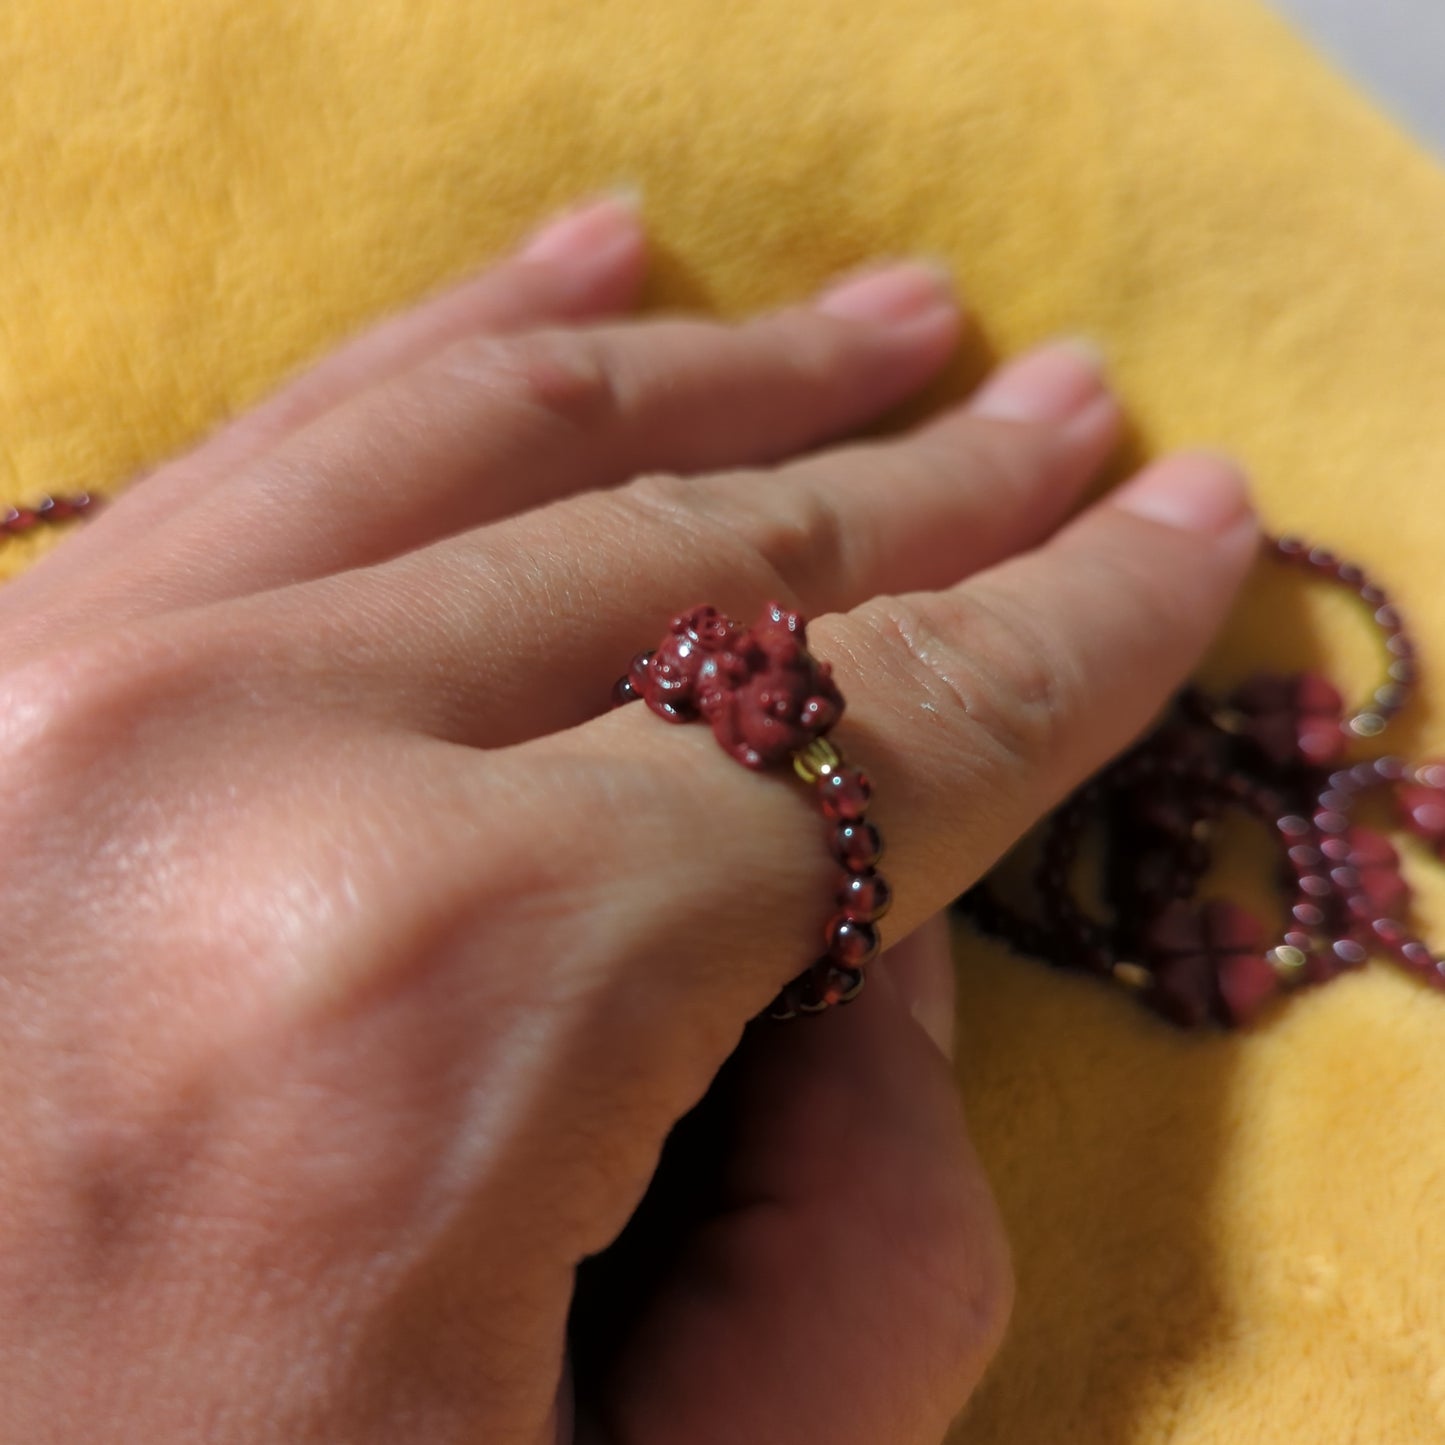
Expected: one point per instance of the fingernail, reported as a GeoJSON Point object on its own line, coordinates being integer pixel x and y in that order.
{"type": "Point", "coordinates": [1193, 491]}
{"type": "Point", "coordinates": [589, 235]}
{"type": "Point", "coordinates": [921, 969]}
{"type": "Point", "coordinates": [1053, 383]}
{"type": "Point", "coordinates": [896, 296]}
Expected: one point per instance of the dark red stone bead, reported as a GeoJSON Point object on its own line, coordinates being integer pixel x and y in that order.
{"type": "Point", "coordinates": [1305, 857]}
{"type": "Point", "coordinates": [833, 984]}
{"type": "Point", "coordinates": [851, 943]}
{"type": "Point", "coordinates": [1424, 807]}
{"type": "Point", "coordinates": [1415, 955]}
{"type": "Point", "coordinates": [1322, 557]}
{"type": "Point", "coordinates": [1374, 859]}
{"type": "Point", "coordinates": [1361, 908]}
{"type": "Point", "coordinates": [1293, 826]}
{"type": "Point", "coordinates": [857, 846]}
{"type": "Point", "coordinates": [1349, 953]}
{"type": "Point", "coordinates": [1390, 932]}
{"type": "Point", "coordinates": [1329, 821]}
{"type": "Point", "coordinates": [1291, 549]}
{"type": "Point", "coordinates": [1337, 850]}
{"type": "Point", "coordinates": [1247, 982]}
{"type": "Point", "coordinates": [844, 793]}
{"type": "Point", "coordinates": [1316, 885]}
{"type": "Point", "coordinates": [865, 897]}
{"type": "Point", "coordinates": [1308, 915]}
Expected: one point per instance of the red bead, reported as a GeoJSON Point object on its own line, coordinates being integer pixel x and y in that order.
{"type": "Point", "coordinates": [1247, 982]}
{"type": "Point", "coordinates": [1425, 809]}
{"type": "Point", "coordinates": [1293, 826]}
{"type": "Point", "coordinates": [1305, 857]}
{"type": "Point", "coordinates": [865, 897]}
{"type": "Point", "coordinates": [852, 944]}
{"type": "Point", "coordinates": [1329, 821]}
{"type": "Point", "coordinates": [857, 846]}
{"type": "Point", "coordinates": [1417, 956]}
{"type": "Point", "coordinates": [843, 985]}
{"type": "Point", "coordinates": [1390, 932]}
{"type": "Point", "coordinates": [1374, 859]}
{"type": "Point", "coordinates": [1337, 850]}
{"type": "Point", "coordinates": [1316, 885]}
{"type": "Point", "coordinates": [844, 793]}
{"type": "Point", "coordinates": [1349, 953]}
{"type": "Point", "coordinates": [1308, 915]}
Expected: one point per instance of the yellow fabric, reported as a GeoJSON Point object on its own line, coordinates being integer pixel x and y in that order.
{"type": "Point", "coordinates": [1218, 1240]}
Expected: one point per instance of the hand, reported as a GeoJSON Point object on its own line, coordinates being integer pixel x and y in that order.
{"type": "Point", "coordinates": [356, 963]}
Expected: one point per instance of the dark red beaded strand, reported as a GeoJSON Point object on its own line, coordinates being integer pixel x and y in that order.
{"type": "Point", "coordinates": [15, 521]}
{"type": "Point", "coordinates": [863, 895]}
{"type": "Point", "coordinates": [1274, 749]}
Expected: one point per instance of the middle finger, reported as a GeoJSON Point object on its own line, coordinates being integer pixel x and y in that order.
{"type": "Point", "coordinates": [529, 621]}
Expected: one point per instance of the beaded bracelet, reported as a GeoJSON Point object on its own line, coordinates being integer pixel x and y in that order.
{"type": "Point", "coordinates": [1275, 749]}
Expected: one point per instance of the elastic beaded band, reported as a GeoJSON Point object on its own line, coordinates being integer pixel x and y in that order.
{"type": "Point", "coordinates": [770, 702]}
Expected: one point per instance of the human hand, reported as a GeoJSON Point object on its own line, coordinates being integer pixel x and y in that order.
{"type": "Point", "coordinates": [355, 963]}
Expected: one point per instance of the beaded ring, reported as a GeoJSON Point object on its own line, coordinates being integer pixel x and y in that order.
{"type": "Point", "coordinates": [1275, 749]}
{"type": "Point", "coordinates": [770, 702]}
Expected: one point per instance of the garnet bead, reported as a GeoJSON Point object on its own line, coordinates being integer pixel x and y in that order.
{"type": "Point", "coordinates": [864, 896]}
{"type": "Point", "coordinates": [851, 943]}
{"type": "Point", "coordinates": [844, 793]}
{"type": "Point", "coordinates": [857, 846]}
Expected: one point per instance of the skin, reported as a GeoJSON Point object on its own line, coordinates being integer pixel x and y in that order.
{"type": "Point", "coordinates": [356, 965]}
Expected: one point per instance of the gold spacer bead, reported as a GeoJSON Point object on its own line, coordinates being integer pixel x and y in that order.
{"type": "Point", "coordinates": [1133, 975]}
{"type": "Point", "coordinates": [1286, 958]}
{"type": "Point", "coordinates": [1367, 725]}
{"type": "Point", "coordinates": [817, 760]}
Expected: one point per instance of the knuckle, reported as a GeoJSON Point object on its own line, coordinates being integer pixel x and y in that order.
{"type": "Point", "coordinates": [766, 536]}
{"type": "Point", "coordinates": [572, 380]}
{"type": "Point", "coordinates": [989, 669]}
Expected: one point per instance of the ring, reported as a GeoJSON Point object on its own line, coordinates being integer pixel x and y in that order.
{"type": "Point", "coordinates": [770, 702]}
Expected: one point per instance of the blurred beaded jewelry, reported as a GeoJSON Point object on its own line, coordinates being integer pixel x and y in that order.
{"type": "Point", "coordinates": [770, 702]}
{"type": "Point", "coordinates": [1279, 749]}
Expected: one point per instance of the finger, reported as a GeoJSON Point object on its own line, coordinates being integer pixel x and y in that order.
{"type": "Point", "coordinates": [828, 1178]}
{"type": "Point", "coordinates": [585, 265]}
{"type": "Point", "coordinates": [569, 583]}
{"type": "Point", "coordinates": [582, 266]}
{"type": "Point", "coordinates": [490, 426]}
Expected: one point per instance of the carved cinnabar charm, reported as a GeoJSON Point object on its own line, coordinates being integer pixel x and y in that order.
{"type": "Point", "coordinates": [779, 700]}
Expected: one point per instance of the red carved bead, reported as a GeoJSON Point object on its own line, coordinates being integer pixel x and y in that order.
{"type": "Point", "coordinates": [1291, 718]}
{"type": "Point", "coordinates": [864, 896]}
{"type": "Point", "coordinates": [851, 943]}
{"type": "Point", "coordinates": [844, 793]}
{"type": "Point", "coordinates": [857, 846]}
{"type": "Point", "coordinates": [1247, 982]}
{"type": "Point", "coordinates": [1374, 859]}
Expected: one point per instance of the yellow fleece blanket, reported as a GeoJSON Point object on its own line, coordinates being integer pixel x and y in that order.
{"type": "Point", "coordinates": [1219, 1240]}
